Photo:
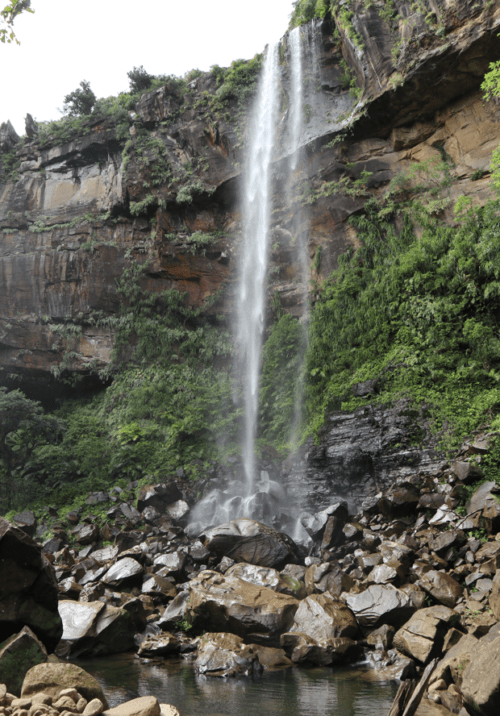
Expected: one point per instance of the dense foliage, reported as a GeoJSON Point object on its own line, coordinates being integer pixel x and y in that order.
{"type": "Point", "coordinates": [420, 313]}
{"type": "Point", "coordinates": [280, 402]}
{"type": "Point", "coordinates": [23, 428]}
{"type": "Point", "coordinates": [170, 402]}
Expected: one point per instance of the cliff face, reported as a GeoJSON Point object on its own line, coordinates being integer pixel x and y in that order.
{"type": "Point", "coordinates": [75, 213]}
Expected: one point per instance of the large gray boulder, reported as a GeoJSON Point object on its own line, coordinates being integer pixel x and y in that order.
{"type": "Point", "coordinates": [229, 604]}
{"type": "Point", "coordinates": [380, 604]}
{"type": "Point", "coordinates": [250, 541]}
{"type": "Point", "coordinates": [94, 629]}
{"type": "Point", "coordinates": [28, 593]}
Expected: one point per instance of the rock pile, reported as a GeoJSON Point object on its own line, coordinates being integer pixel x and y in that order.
{"type": "Point", "coordinates": [413, 577]}
{"type": "Point", "coordinates": [45, 692]}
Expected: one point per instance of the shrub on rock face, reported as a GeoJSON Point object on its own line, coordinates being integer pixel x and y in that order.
{"type": "Point", "coordinates": [28, 592]}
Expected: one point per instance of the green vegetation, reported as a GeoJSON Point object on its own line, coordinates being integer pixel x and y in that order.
{"type": "Point", "coordinates": [80, 102]}
{"type": "Point", "coordinates": [420, 315]}
{"type": "Point", "coordinates": [23, 428]}
{"type": "Point", "coordinates": [282, 357]}
{"type": "Point", "coordinates": [170, 403]}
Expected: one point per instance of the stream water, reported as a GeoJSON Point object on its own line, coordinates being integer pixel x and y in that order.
{"type": "Point", "coordinates": [298, 692]}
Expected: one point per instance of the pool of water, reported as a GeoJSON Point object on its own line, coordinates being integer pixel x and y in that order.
{"type": "Point", "coordinates": [288, 692]}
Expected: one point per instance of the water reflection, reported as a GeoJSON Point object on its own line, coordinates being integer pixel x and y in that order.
{"type": "Point", "coordinates": [301, 692]}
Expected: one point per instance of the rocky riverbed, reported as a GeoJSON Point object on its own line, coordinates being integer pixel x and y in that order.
{"type": "Point", "coordinates": [413, 577]}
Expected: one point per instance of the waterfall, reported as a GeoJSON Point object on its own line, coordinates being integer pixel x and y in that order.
{"type": "Point", "coordinates": [259, 496]}
{"type": "Point", "coordinates": [296, 94]}
{"type": "Point", "coordinates": [251, 300]}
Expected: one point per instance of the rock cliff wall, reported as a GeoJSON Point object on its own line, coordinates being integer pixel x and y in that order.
{"type": "Point", "coordinates": [383, 92]}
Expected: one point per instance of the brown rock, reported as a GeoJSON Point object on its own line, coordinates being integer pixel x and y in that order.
{"type": "Point", "coordinates": [144, 706]}
{"type": "Point", "coordinates": [442, 587]}
{"type": "Point", "coordinates": [322, 617]}
{"type": "Point", "coordinates": [481, 678]}
{"type": "Point", "coordinates": [52, 678]}
{"type": "Point", "coordinates": [422, 636]}
{"type": "Point", "coordinates": [229, 604]}
{"type": "Point", "coordinates": [94, 708]}
{"type": "Point", "coordinates": [225, 655]}
{"type": "Point", "coordinates": [495, 596]}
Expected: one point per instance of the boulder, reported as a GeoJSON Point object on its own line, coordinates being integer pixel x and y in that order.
{"type": "Point", "coordinates": [172, 562]}
{"type": "Point", "coordinates": [322, 617]}
{"type": "Point", "coordinates": [423, 635]}
{"type": "Point", "coordinates": [154, 584]}
{"type": "Point", "coordinates": [250, 541]}
{"type": "Point", "coordinates": [380, 604]}
{"type": "Point", "coordinates": [452, 666]}
{"type": "Point", "coordinates": [94, 628]}
{"type": "Point", "coordinates": [178, 510]}
{"type": "Point", "coordinates": [28, 593]}
{"type": "Point", "coordinates": [481, 679]}
{"type": "Point", "coordinates": [466, 471]}
{"type": "Point", "coordinates": [88, 534]}
{"type": "Point", "coordinates": [26, 521]}
{"type": "Point", "coordinates": [18, 654]}
{"type": "Point", "coordinates": [162, 645]}
{"type": "Point", "coordinates": [484, 500]}
{"type": "Point", "coordinates": [158, 496]}
{"type": "Point", "coordinates": [53, 678]}
{"type": "Point", "coordinates": [126, 571]}
{"type": "Point", "coordinates": [316, 525]}
{"type": "Point", "coordinates": [176, 611]}
{"type": "Point", "coordinates": [143, 706]}
{"type": "Point", "coordinates": [302, 648]}
{"type": "Point", "coordinates": [226, 655]}
{"type": "Point", "coordinates": [445, 540]}
{"type": "Point", "coordinates": [258, 614]}
{"type": "Point", "coordinates": [400, 501]}
{"type": "Point", "coordinates": [8, 136]}
{"type": "Point", "coordinates": [442, 587]}
{"type": "Point", "coordinates": [327, 577]}
{"type": "Point", "coordinates": [267, 577]}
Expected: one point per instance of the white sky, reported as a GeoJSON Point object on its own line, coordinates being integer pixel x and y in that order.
{"type": "Point", "coordinates": [67, 41]}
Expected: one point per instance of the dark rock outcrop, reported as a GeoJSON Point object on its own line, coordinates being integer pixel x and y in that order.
{"type": "Point", "coordinates": [28, 591]}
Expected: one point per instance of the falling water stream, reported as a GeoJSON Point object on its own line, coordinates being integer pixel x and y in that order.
{"type": "Point", "coordinates": [251, 302]}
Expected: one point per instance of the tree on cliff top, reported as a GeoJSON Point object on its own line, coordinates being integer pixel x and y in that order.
{"type": "Point", "coordinates": [23, 427]}
{"type": "Point", "coordinates": [80, 101]}
{"type": "Point", "coordinates": [7, 16]}
{"type": "Point", "coordinates": [139, 79]}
